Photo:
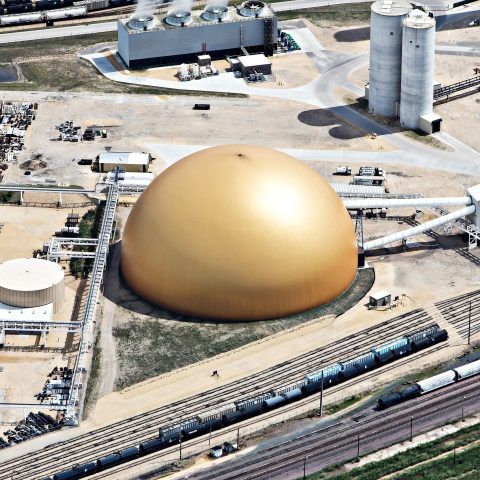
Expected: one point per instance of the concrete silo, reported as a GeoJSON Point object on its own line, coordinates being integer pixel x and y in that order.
{"type": "Point", "coordinates": [386, 56]}
{"type": "Point", "coordinates": [418, 57]}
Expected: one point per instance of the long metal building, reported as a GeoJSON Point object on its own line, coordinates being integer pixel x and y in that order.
{"type": "Point", "coordinates": [147, 41]}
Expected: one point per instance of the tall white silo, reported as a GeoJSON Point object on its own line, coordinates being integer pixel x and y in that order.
{"type": "Point", "coordinates": [386, 55]}
{"type": "Point", "coordinates": [418, 58]}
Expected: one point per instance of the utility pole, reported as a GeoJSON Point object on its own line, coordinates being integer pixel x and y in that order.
{"type": "Point", "coordinates": [358, 447]}
{"type": "Point", "coordinates": [463, 402]}
{"type": "Point", "coordinates": [180, 445]}
{"type": "Point", "coordinates": [238, 438]}
{"type": "Point", "coordinates": [304, 468]}
{"type": "Point", "coordinates": [411, 429]}
{"type": "Point", "coordinates": [210, 435]}
{"type": "Point", "coordinates": [321, 396]}
{"type": "Point", "coordinates": [469, 320]}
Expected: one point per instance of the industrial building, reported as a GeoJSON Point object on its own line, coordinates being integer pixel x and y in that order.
{"type": "Point", "coordinates": [147, 41]}
{"type": "Point", "coordinates": [254, 65]}
{"type": "Point", "coordinates": [386, 56]}
{"type": "Point", "coordinates": [418, 59]}
{"type": "Point", "coordinates": [402, 50]}
{"type": "Point", "coordinates": [126, 161]}
{"type": "Point", "coordinates": [199, 244]}
{"type": "Point", "coordinates": [32, 282]}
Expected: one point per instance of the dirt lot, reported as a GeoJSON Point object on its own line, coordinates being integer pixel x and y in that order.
{"type": "Point", "coordinates": [21, 387]}
{"type": "Point", "coordinates": [133, 122]}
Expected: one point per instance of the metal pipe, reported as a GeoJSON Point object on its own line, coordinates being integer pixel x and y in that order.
{"type": "Point", "coordinates": [410, 232]}
{"type": "Point", "coordinates": [358, 204]}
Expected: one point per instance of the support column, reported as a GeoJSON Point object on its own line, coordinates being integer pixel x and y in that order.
{"type": "Point", "coordinates": [21, 198]}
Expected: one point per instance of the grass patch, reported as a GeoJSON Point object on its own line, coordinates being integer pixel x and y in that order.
{"type": "Point", "coordinates": [66, 72]}
{"type": "Point", "coordinates": [9, 197]}
{"type": "Point", "coordinates": [410, 458]}
{"type": "Point", "coordinates": [89, 227]}
{"type": "Point", "coordinates": [427, 139]}
{"type": "Point", "coordinates": [338, 14]}
{"type": "Point", "coordinates": [94, 375]}
{"type": "Point", "coordinates": [348, 402]}
{"type": "Point", "coordinates": [152, 341]}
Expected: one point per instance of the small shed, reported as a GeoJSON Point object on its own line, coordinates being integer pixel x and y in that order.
{"type": "Point", "coordinates": [251, 64]}
{"type": "Point", "coordinates": [204, 60]}
{"type": "Point", "coordinates": [127, 161]}
{"type": "Point", "coordinates": [430, 123]}
{"type": "Point", "coordinates": [380, 299]}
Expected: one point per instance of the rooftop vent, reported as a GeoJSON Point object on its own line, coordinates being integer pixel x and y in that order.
{"type": "Point", "coordinates": [178, 18]}
{"type": "Point", "coordinates": [251, 8]}
{"type": "Point", "coordinates": [141, 22]}
{"type": "Point", "coordinates": [215, 13]}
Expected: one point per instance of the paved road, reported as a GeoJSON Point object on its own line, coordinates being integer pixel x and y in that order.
{"type": "Point", "coordinates": [29, 35]}
{"type": "Point", "coordinates": [301, 4]}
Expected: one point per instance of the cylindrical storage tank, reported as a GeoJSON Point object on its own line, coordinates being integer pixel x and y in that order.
{"type": "Point", "coordinates": [418, 58]}
{"type": "Point", "coordinates": [32, 282]}
{"type": "Point", "coordinates": [386, 56]}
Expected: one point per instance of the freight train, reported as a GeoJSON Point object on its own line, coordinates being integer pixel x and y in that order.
{"type": "Point", "coordinates": [243, 409]}
{"type": "Point", "coordinates": [428, 385]}
{"type": "Point", "coordinates": [21, 12]}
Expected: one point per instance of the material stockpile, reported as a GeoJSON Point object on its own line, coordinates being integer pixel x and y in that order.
{"type": "Point", "coordinates": [15, 118]}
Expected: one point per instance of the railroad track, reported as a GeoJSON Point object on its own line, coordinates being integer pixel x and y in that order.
{"type": "Point", "coordinates": [158, 456]}
{"type": "Point", "coordinates": [340, 436]}
{"type": "Point", "coordinates": [137, 429]}
{"type": "Point", "coordinates": [458, 316]}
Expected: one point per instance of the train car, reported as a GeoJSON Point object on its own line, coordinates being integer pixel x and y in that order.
{"type": "Point", "coordinates": [273, 402]}
{"type": "Point", "coordinates": [155, 444]}
{"type": "Point", "coordinates": [63, 13]}
{"type": "Point", "coordinates": [77, 472]}
{"type": "Point", "coordinates": [422, 339]}
{"type": "Point", "coordinates": [20, 19]}
{"type": "Point", "coordinates": [394, 398]}
{"type": "Point", "coordinates": [252, 404]}
{"type": "Point", "coordinates": [467, 370]}
{"type": "Point", "coordinates": [390, 350]}
{"type": "Point", "coordinates": [170, 432]}
{"type": "Point", "coordinates": [440, 336]}
{"type": "Point", "coordinates": [118, 457]}
{"type": "Point", "coordinates": [437, 381]}
{"type": "Point", "coordinates": [356, 366]}
{"type": "Point", "coordinates": [216, 414]}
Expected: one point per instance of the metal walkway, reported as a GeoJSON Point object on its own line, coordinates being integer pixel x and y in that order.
{"type": "Point", "coordinates": [72, 415]}
{"type": "Point", "coordinates": [442, 94]}
{"type": "Point", "coordinates": [61, 248]}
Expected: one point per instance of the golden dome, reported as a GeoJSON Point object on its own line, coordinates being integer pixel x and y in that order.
{"type": "Point", "coordinates": [239, 232]}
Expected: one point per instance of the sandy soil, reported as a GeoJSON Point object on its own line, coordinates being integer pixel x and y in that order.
{"type": "Point", "coordinates": [33, 225]}
{"type": "Point", "coordinates": [346, 39]}
{"type": "Point", "coordinates": [291, 70]}
{"type": "Point", "coordinates": [134, 122]}
{"type": "Point", "coordinates": [20, 387]}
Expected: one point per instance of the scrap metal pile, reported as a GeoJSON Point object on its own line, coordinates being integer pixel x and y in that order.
{"type": "Point", "coordinates": [15, 118]}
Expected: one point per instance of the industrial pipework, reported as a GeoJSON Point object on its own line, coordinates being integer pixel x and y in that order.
{"type": "Point", "coordinates": [424, 227]}
{"type": "Point", "coordinates": [361, 204]}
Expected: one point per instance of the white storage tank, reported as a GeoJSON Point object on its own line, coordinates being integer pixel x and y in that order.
{"type": "Point", "coordinates": [386, 56]}
{"type": "Point", "coordinates": [418, 58]}
{"type": "Point", "coordinates": [32, 282]}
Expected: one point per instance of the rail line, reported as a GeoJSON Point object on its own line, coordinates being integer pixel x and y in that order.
{"type": "Point", "coordinates": [144, 426]}
{"type": "Point", "coordinates": [287, 454]}
{"type": "Point", "coordinates": [305, 401]}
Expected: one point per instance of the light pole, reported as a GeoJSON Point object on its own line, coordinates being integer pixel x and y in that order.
{"type": "Point", "coordinates": [463, 411]}
{"type": "Point", "coordinates": [469, 320]}
{"type": "Point", "coordinates": [304, 468]}
{"type": "Point", "coordinates": [321, 396]}
{"type": "Point", "coordinates": [411, 429]}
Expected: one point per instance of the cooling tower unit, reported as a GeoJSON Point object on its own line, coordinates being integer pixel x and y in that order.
{"type": "Point", "coordinates": [32, 282]}
{"type": "Point", "coordinates": [386, 56]}
{"type": "Point", "coordinates": [418, 56]}
{"type": "Point", "coordinates": [179, 37]}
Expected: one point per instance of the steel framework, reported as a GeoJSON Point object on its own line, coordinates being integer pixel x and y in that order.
{"type": "Point", "coordinates": [56, 248]}
{"type": "Point", "coordinates": [73, 415]}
